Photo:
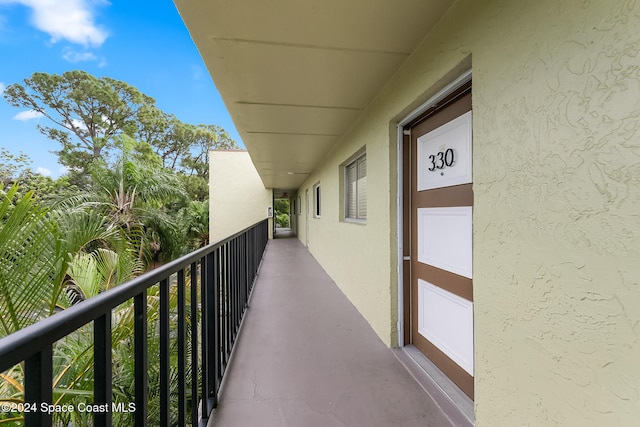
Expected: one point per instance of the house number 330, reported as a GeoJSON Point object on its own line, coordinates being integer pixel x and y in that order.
{"type": "Point", "coordinates": [442, 159]}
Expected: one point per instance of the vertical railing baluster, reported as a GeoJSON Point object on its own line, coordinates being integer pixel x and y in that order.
{"type": "Point", "coordinates": [194, 343]}
{"type": "Point", "coordinates": [220, 305]}
{"type": "Point", "coordinates": [165, 369]}
{"type": "Point", "coordinates": [182, 351]}
{"type": "Point", "coordinates": [228, 302]}
{"type": "Point", "coordinates": [221, 281]}
{"type": "Point", "coordinates": [221, 297]}
{"type": "Point", "coordinates": [140, 360]}
{"type": "Point", "coordinates": [247, 272]}
{"type": "Point", "coordinates": [257, 253]}
{"type": "Point", "coordinates": [231, 299]}
{"type": "Point", "coordinates": [216, 327]}
{"type": "Point", "coordinates": [38, 375]}
{"type": "Point", "coordinates": [223, 310]}
{"type": "Point", "coordinates": [236, 286]}
{"type": "Point", "coordinates": [235, 291]}
{"type": "Point", "coordinates": [102, 370]}
{"type": "Point", "coordinates": [265, 236]}
{"type": "Point", "coordinates": [254, 249]}
{"type": "Point", "coordinates": [242, 283]}
{"type": "Point", "coordinates": [204, 337]}
{"type": "Point", "coordinates": [248, 267]}
{"type": "Point", "coordinates": [211, 326]}
{"type": "Point", "coordinates": [252, 263]}
{"type": "Point", "coordinates": [245, 275]}
{"type": "Point", "coordinates": [254, 255]}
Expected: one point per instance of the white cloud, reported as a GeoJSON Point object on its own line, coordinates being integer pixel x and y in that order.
{"type": "Point", "coordinates": [71, 20]}
{"type": "Point", "coordinates": [63, 170]}
{"type": "Point", "coordinates": [43, 171]}
{"type": "Point", "coordinates": [73, 56]}
{"type": "Point", "coordinates": [27, 115]}
{"type": "Point", "coordinates": [79, 124]}
{"type": "Point", "coordinates": [2, 88]}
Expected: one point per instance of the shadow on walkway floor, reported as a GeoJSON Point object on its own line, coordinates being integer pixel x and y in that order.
{"type": "Point", "coordinates": [284, 233]}
{"type": "Point", "coordinates": [306, 357]}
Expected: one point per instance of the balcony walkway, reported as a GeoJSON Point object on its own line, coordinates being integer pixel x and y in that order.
{"type": "Point", "coordinates": [305, 357]}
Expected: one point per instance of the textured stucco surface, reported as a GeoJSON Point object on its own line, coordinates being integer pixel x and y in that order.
{"type": "Point", "coordinates": [356, 256]}
{"type": "Point", "coordinates": [556, 104]}
{"type": "Point", "coordinates": [237, 197]}
{"type": "Point", "coordinates": [557, 184]}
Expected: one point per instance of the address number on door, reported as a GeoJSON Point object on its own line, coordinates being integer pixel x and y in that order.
{"type": "Point", "coordinates": [442, 159]}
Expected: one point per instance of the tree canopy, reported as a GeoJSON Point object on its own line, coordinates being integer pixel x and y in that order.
{"type": "Point", "coordinates": [142, 168]}
{"type": "Point", "coordinates": [135, 196]}
{"type": "Point", "coordinates": [89, 113]}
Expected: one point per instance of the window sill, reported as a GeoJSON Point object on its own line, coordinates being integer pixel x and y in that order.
{"type": "Point", "coordinates": [355, 221]}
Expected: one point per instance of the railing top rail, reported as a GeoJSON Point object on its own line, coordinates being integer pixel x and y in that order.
{"type": "Point", "coordinates": [26, 342]}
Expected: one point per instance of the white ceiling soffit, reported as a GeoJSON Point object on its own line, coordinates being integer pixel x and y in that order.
{"type": "Point", "coordinates": [294, 74]}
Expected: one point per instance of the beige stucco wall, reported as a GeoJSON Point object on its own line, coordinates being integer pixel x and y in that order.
{"type": "Point", "coordinates": [556, 104]}
{"type": "Point", "coordinates": [356, 256]}
{"type": "Point", "coordinates": [237, 197]}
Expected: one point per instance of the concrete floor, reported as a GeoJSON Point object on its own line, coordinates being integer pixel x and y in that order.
{"type": "Point", "coordinates": [283, 233]}
{"type": "Point", "coordinates": [305, 357]}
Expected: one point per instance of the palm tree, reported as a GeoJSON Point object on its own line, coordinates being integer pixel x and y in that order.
{"type": "Point", "coordinates": [31, 262]}
{"type": "Point", "coordinates": [42, 255]}
{"type": "Point", "coordinates": [193, 220]}
{"type": "Point", "coordinates": [102, 255]}
{"type": "Point", "coordinates": [84, 244]}
{"type": "Point", "coordinates": [134, 194]}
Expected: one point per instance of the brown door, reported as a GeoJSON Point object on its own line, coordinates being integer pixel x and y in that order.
{"type": "Point", "coordinates": [440, 302]}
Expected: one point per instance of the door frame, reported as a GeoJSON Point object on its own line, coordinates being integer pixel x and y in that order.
{"type": "Point", "coordinates": [402, 210]}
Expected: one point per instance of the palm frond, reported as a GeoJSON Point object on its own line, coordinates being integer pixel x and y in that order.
{"type": "Point", "coordinates": [83, 275]}
{"type": "Point", "coordinates": [30, 256]}
{"type": "Point", "coordinates": [85, 230]}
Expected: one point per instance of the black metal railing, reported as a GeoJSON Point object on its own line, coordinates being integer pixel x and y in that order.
{"type": "Point", "coordinates": [210, 307]}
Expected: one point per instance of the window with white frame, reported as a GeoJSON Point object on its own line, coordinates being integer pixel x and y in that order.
{"type": "Point", "coordinates": [316, 200]}
{"type": "Point", "coordinates": [356, 189]}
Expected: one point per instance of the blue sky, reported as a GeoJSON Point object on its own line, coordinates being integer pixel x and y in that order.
{"type": "Point", "coordinates": [141, 42]}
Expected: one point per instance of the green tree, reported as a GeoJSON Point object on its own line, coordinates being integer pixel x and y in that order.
{"type": "Point", "coordinates": [182, 147]}
{"type": "Point", "coordinates": [193, 221]}
{"type": "Point", "coordinates": [12, 167]}
{"type": "Point", "coordinates": [44, 186]}
{"type": "Point", "coordinates": [87, 112]}
{"type": "Point", "coordinates": [165, 133]}
{"type": "Point", "coordinates": [50, 260]}
{"type": "Point", "coordinates": [137, 196]}
{"type": "Point", "coordinates": [281, 206]}
{"type": "Point", "coordinates": [101, 255]}
{"type": "Point", "coordinates": [32, 261]}
{"type": "Point", "coordinates": [203, 139]}
{"type": "Point", "coordinates": [197, 187]}
{"type": "Point", "coordinates": [281, 212]}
